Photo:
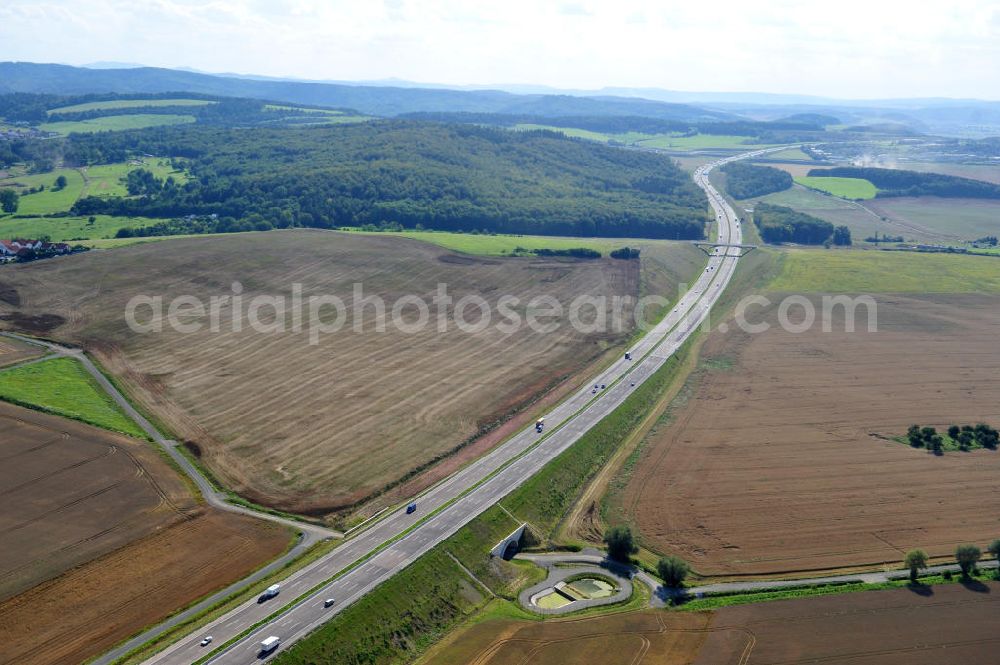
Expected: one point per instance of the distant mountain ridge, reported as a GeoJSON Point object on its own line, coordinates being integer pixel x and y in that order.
{"type": "Point", "coordinates": [384, 101]}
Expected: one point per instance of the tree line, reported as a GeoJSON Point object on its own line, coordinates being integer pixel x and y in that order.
{"type": "Point", "coordinates": [778, 224]}
{"type": "Point", "coordinates": [443, 177]}
{"type": "Point", "coordinates": [964, 437]}
{"type": "Point", "coordinates": [744, 181]}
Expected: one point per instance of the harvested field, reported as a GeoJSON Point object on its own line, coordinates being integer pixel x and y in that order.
{"type": "Point", "coordinates": [74, 493]}
{"type": "Point", "coordinates": [89, 519]}
{"type": "Point", "coordinates": [780, 462]}
{"type": "Point", "coordinates": [91, 608]}
{"type": "Point", "coordinates": [13, 352]}
{"type": "Point", "coordinates": [941, 625]}
{"type": "Point", "coordinates": [639, 638]}
{"type": "Point", "coordinates": [313, 428]}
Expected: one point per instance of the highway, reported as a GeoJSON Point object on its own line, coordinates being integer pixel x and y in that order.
{"type": "Point", "coordinates": [390, 544]}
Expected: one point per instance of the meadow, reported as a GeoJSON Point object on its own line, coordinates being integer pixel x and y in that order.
{"type": "Point", "coordinates": [113, 123]}
{"type": "Point", "coordinates": [74, 230]}
{"type": "Point", "coordinates": [128, 104]}
{"type": "Point", "coordinates": [63, 387]}
{"type": "Point", "coordinates": [861, 271]}
{"type": "Point", "coordinates": [847, 188]}
{"type": "Point", "coordinates": [50, 199]}
{"type": "Point", "coordinates": [701, 142]}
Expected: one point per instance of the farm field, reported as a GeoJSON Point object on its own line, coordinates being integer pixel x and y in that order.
{"type": "Point", "coordinates": [790, 153]}
{"type": "Point", "coordinates": [862, 222]}
{"type": "Point", "coordinates": [635, 638]}
{"type": "Point", "coordinates": [702, 142]}
{"type": "Point", "coordinates": [987, 172]}
{"type": "Point", "coordinates": [63, 387]}
{"type": "Point", "coordinates": [71, 229]}
{"type": "Point", "coordinates": [940, 625]}
{"type": "Point", "coordinates": [820, 271]}
{"type": "Point", "coordinates": [111, 123]}
{"type": "Point", "coordinates": [781, 461]}
{"type": "Point", "coordinates": [295, 425]}
{"type": "Point", "coordinates": [941, 219]}
{"type": "Point", "coordinates": [79, 493]}
{"type": "Point", "coordinates": [49, 200]}
{"type": "Point", "coordinates": [13, 351]}
{"type": "Point", "coordinates": [129, 104]}
{"type": "Point", "coordinates": [848, 188]}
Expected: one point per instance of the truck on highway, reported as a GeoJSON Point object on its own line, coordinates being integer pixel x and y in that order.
{"type": "Point", "coordinates": [270, 644]}
{"type": "Point", "coordinates": [539, 425]}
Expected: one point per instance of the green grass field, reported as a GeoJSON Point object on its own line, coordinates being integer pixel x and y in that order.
{"type": "Point", "coordinates": [113, 123]}
{"type": "Point", "coordinates": [847, 188]}
{"type": "Point", "coordinates": [502, 245]}
{"type": "Point", "coordinates": [49, 200]}
{"type": "Point", "coordinates": [129, 104]}
{"type": "Point", "coordinates": [872, 271]}
{"type": "Point", "coordinates": [108, 179]}
{"type": "Point", "coordinates": [63, 387]}
{"type": "Point", "coordinates": [701, 142]}
{"type": "Point", "coordinates": [71, 229]}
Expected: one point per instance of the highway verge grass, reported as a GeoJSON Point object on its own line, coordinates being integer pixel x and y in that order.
{"type": "Point", "coordinates": [61, 386]}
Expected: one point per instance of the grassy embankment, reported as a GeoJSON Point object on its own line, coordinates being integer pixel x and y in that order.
{"type": "Point", "coordinates": [62, 386]}
{"type": "Point", "coordinates": [847, 188]}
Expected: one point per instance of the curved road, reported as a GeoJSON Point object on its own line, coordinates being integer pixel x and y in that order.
{"type": "Point", "coordinates": [390, 544]}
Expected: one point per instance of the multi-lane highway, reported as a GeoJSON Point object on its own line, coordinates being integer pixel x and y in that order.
{"type": "Point", "coordinates": [387, 546]}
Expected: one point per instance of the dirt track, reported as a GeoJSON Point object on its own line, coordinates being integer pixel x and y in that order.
{"type": "Point", "coordinates": [776, 465]}
{"type": "Point", "coordinates": [95, 524]}
{"type": "Point", "coordinates": [948, 625]}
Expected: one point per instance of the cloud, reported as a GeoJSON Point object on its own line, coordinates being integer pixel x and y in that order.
{"type": "Point", "coordinates": [863, 49]}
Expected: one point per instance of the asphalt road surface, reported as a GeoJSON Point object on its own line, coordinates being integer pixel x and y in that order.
{"type": "Point", "coordinates": [398, 539]}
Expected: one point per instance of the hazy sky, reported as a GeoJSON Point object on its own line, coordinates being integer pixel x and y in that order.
{"type": "Point", "coordinates": [846, 48]}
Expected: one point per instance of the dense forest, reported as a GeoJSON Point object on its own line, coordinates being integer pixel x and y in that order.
{"type": "Point", "coordinates": [221, 111]}
{"type": "Point", "coordinates": [895, 182]}
{"type": "Point", "coordinates": [778, 224]}
{"type": "Point", "coordinates": [744, 181]}
{"type": "Point", "coordinates": [777, 131]}
{"type": "Point", "coordinates": [449, 177]}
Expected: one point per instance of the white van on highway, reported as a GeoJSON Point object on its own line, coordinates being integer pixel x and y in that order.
{"type": "Point", "coordinates": [270, 644]}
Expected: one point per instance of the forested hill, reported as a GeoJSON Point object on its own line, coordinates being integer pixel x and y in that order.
{"type": "Point", "coordinates": [370, 100]}
{"type": "Point", "coordinates": [453, 177]}
{"type": "Point", "coordinates": [898, 182]}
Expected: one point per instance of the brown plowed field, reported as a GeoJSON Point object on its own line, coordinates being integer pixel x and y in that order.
{"type": "Point", "coordinates": [315, 428]}
{"type": "Point", "coordinates": [72, 492]}
{"type": "Point", "coordinates": [640, 638]}
{"type": "Point", "coordinates": [91, 608]}
{"type": "Point", "coordinates": [780, 463]}
{"type": "Point", "coordinates": [102, 538]}
{"type": "Point", "coordinates": [13, 352]}
{"type": "Point", "coordinates": [946, 625]}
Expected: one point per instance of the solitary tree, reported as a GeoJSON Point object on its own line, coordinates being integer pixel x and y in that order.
{"type": "Point", "coordinates": [936, 443]}
{"type": "Point", "coordinates": [672, 570]}
{"type": "Point", "coordinates": [967, 557]}
{"type": "Point", "coordinates": [953, 431]}
{"type": "Point", "coordinates": [620, 542]}
{"type": "Point", "coordinates": [915, 436]}
{"type": "Point", "coordinates": [8, 200]}
{"type": "Point", "coordinates": [916, 560]}
{"type": "Point", "coordinates": [60, 182]}
{"type": "Point", "coordinates": [994, 549]}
